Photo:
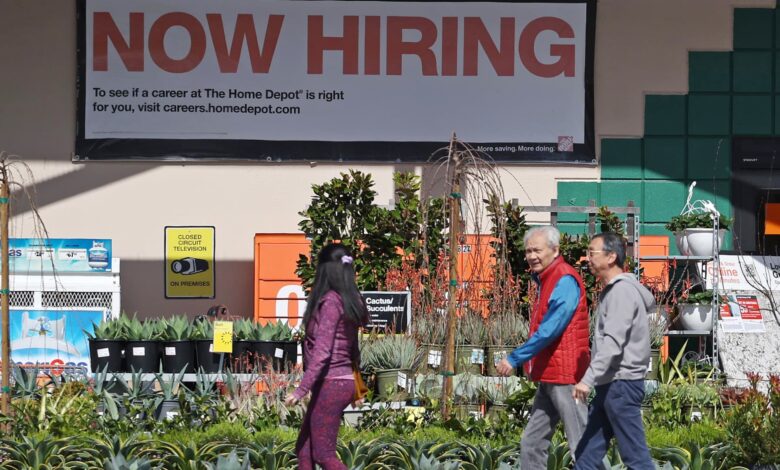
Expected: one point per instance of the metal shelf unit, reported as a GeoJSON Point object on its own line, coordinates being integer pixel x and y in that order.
{"type": "Point", "coordinates": [715, 260]}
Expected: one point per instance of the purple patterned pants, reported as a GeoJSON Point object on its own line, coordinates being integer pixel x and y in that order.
{"type": "Point", "coordinates": [320, 428]}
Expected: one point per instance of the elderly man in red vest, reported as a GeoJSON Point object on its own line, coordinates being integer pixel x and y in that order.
{"type": "Point", "coordinates": [557, 352]}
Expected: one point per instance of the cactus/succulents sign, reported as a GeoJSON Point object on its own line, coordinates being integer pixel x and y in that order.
{"type": "Point", "coordinates": [389, 309]}
{"type": "Point", "coordinates": [189, 263]}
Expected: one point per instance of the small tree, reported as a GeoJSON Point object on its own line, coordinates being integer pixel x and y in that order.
{"type": "Point", "coordinates": [343, 210]}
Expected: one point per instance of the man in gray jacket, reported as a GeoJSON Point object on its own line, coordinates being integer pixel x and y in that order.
{"type": "Point", "coordinates": [619, 359]}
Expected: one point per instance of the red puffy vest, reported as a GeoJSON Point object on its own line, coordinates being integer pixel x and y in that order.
{"type": "Point", "coordinates": [565, 360]}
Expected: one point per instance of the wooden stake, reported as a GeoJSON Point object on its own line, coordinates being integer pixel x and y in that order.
{"type": "Point", "coordinates": [5, 292]}
{"type": "Point", "coordinates": [452, 301]}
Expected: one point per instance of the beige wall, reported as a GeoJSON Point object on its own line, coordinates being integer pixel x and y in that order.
{"type": "Point", "coordinates": [641, 47]}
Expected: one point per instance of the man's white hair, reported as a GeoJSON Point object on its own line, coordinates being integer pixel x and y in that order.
{"type": "Point", "coordinates": [551, 233]}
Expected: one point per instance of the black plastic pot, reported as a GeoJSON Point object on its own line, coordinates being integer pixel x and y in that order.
{"type": "Point", "coordinates": [242, 358]}
{"type": "Point", "coordinates": [142, 356]}
{"type": "Point", "coordinates": [168, 409]}
{"type": "Point", "coordinates": [177, 355]}
{"type": "Point", "coordinates": [106, 352]}
{"type": "Point", "coordinates": [206, 359]}
{"type": "Point", "coordinates": [289, 355]}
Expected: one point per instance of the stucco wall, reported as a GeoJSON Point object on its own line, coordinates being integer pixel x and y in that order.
{"type": "Point", "coordinates": [641, 47]}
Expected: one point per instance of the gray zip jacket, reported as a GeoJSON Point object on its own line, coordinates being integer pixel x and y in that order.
{"type": "Point", "coordinates": [621, 340]}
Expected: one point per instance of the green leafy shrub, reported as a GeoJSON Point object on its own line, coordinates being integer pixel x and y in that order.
{"type": "Point", "coordinates": [678, 223]}
{"type": "Point", "coordinates": [753, 426]}
{"type": "Point", "coordinates": [701, 433]}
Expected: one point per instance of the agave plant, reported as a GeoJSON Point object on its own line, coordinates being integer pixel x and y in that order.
{"type": "Point", "coordinates": [486, 457]}
{"type": "Point", "coordinates": [137, 330]}
{"type": "Point", "coordinates": [420, 455]}
{"type": "Point", "coordinates": [107, 329]}
{"type": "Point", "coordinates": [507, 329]}
{"type": "Point", "coordinates": [182, 455]}
{"type": "Point", "coordinates": [176, 328]}
{"type": "Point", "coordinates": [170, 387]}
{"type": "Point", "coordinates": [471, 329]}
{"type": "Point", "coordinates": [202, 329]}
{"type": "Point", "coordinates": [273, 455]}
{"type": "Point", "coordinates": [358, 454]}
{"type": "Point", "coordinates": [122, 452]}
{"type": "Point", "coordinates": [392, 352]}
{"type": "Point", "coordinates": [25, 383]}
{"type": "Point", "coordinates": [244, 330]}
{"type": "Point", "coordinates": [465, 388]}
{"type": "Point", "coordinates": [118, 462]}
{"type": "Point", "coordinates": [46, 452]}
{"type": "Point", "coordinates": [430, 328]}
{"type": "Point", "coordinates": [497, 390]}
{"type": "Point", "coordinates": [230, 462]}
{"type": "Point", "coordinates": [138, 388]}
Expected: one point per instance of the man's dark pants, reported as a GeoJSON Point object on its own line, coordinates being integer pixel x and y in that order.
{"type": "Point", "coordinates": [615, 412]}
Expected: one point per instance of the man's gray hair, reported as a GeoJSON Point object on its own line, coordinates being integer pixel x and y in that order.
{"type": "Point", "coordinates": [551, 233]}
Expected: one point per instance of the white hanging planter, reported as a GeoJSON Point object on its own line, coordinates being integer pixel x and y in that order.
{"type": "Point", "coordinates": [699, 242]}
{"type": "Point", "coordinates": [682, 243]}
{"type": "Point", "coordinates": [695, 316]}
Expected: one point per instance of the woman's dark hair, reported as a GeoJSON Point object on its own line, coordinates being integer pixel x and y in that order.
{"type": "Point", "coordinates": [335, 272]}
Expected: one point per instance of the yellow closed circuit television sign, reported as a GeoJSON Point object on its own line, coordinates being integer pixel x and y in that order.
{"type": "Point", "coordinates": [189, 262]}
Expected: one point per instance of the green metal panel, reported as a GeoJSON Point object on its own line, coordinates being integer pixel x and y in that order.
{"type": "Point", "coordinates": [618, 193]}
{"type": "Point", "coordinates": [709, 71]}
{"type": "Point", "coordinates": [573, 228]}
{"type": "Point", "coordinates": [576, 193]}
{"type": "Point", "coordinates": [753, 71]}
{"type": "Point", "coordinates": [664, 157]}
{"type": "Point", "coordinates": [753, 28]}
{"type": "Point", "coordinates": [709, 114]}
{"type": "Point", "coordinates": [621, 158]}
{"type": "Point", "coordinates": [709, 157]}
{"type": "Point", "coordinates": [665, 115]}
{"type": "Point", "coordinates": [663, 199]}
{"type": "Point", "coordinates": [717, 191]}
{"type": "Point", "coordinates": [752, 114]}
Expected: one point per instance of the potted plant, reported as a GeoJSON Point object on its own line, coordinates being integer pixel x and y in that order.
{"type": "Point", "coordinates": [471, 338]}
{"type": "Point", "coordinates": [243, 349]}
{"type": "Point", "coordinates": [143, 345]}
{"type": "Point", "coordinates": [394, 359]}
{"type": "Point", "coordinates": [495, 391]}
{"type": "Point", "coordinates": [465, 396]}
{"type": "Point", "coordinates": [107, 342]}
{"type": "Point", "coordinates": [695, 311]}
{"type": "Point", "coordinates": [178, 350]}
{"type": "Point", "coordinates": [693, 232]}
{"type": "Point", "coordinates": [658, 327]}
{"type": "Point", "coordinates": [284, 346]}
{"type": "Point", "coordinates": [506, 331]}
{"type": "Point", "coordinates": [430, 329]}
{"type": "Point", "coordinates": [679, 403]}
{"type": "Point", "coordinates": [168, 406]}
{"type": "Point", "coordinates": [202, 334]}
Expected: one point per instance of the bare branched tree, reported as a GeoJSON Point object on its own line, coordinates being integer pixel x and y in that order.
{"type": "Point", "coordinates": [16, 181]}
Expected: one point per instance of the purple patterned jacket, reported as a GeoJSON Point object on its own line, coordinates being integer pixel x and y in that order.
{"type": "Point", "coordinates": [330, 345]}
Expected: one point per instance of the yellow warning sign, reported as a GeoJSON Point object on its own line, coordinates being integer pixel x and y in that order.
{"type": "Point", "coordinates": [189, 262]}
{"type": "Point", "coordinates": [223, 337]}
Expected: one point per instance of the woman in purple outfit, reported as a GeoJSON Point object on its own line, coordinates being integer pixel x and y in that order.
{"type": "Point", "coordinates": [334, 312]}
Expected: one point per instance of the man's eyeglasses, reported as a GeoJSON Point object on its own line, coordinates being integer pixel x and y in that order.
{"type": "Point", "coordinates": [591, 252]}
